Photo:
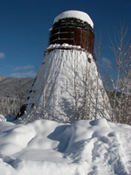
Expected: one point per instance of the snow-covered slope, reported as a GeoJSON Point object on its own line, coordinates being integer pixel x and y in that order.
{"type": "Point", "coordinates": [46, 147]}
{"type": "Point", "coordinates": [68, 86]}
{"type": "Point", "coordinates": [2, 77]}
{"type": "Point", "coordinates": [12, 93]}
{"type": "Point", "coordinates": [14, 87]}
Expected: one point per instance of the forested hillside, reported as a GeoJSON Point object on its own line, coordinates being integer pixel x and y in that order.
{"type": "Point", "coordinates": [12, 93]}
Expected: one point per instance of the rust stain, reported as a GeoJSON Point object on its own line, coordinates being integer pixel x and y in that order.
{"type": "Point", "coordinates": [63, 33]}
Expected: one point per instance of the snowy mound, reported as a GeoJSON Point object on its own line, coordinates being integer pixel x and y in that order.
{"type": "Point", "coordinates": [75, 14]}
{"type": "Point", "coordinates": [46, 147]}
{"type": "Point", "coordinates": [2, 118]}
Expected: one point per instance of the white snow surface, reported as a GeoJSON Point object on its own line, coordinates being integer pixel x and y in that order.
{"type": "Point", "coordinates": [63, 46]}
{"type": "Point", "coordinates": [75, 14]}
{"type": "Point", "coordinates": [43, 147]}
{"type": "Point", "coordinates": [2, 118]}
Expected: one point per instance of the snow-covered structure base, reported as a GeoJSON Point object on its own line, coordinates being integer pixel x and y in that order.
{"type": "Point", "coordinates": [67, 87]}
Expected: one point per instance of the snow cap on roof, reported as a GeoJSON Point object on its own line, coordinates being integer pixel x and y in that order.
{"type": "Point", "coordinates": [75, 14]}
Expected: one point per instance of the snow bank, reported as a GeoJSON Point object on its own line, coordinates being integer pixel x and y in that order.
{"type": "Point", "coordinates": [86, 147]}
{"type": "Point", "coordinates": [75, 14]}
{"type": "Point", "coordinates": [2, 118]}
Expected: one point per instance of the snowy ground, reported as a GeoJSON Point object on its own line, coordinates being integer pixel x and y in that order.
{"type": "Point", "coordinates": [49, 148]}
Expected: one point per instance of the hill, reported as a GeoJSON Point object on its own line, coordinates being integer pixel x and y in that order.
{"type": "Point", "coordinates": [12, 93]}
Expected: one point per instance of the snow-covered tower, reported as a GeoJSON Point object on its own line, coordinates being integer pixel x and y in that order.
{"type": "Point", "coordinates": [74, 28]}
{"type": "Point", "coordinates": [67, 86]}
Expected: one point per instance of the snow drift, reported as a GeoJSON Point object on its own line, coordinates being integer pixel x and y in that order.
{"type": "Point", "coordinates": [93, 147]}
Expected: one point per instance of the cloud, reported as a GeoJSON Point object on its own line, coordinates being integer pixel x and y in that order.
{"type": "Point", "coordinates": [23, 71]}
{"type": "Point", "coordinates": [24, 74]}
{"type": "Point", "coordinates": [2, 55]}
{"type": "Point", "coordinates": [23, 67]}
{"type": "Point", "coordinates": [106, 62]}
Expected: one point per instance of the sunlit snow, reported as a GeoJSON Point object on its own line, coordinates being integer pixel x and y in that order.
{"type": "Point", "coordinates": [93, 147]}
{"type": "Point", "coordinates": [64, 77]}
{"type": "Point", "coordinates": [75, 14]}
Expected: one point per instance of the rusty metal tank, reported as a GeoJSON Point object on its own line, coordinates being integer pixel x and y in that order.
{"type": "Point", "coordinates": [73, 31]}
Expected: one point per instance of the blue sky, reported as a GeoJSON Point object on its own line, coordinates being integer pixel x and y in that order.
{"type": "Point", "coordinates": [24, 29]}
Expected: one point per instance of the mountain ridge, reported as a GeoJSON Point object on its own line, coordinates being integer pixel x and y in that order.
{"type": "Point", "coordinates": [12, 93]}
